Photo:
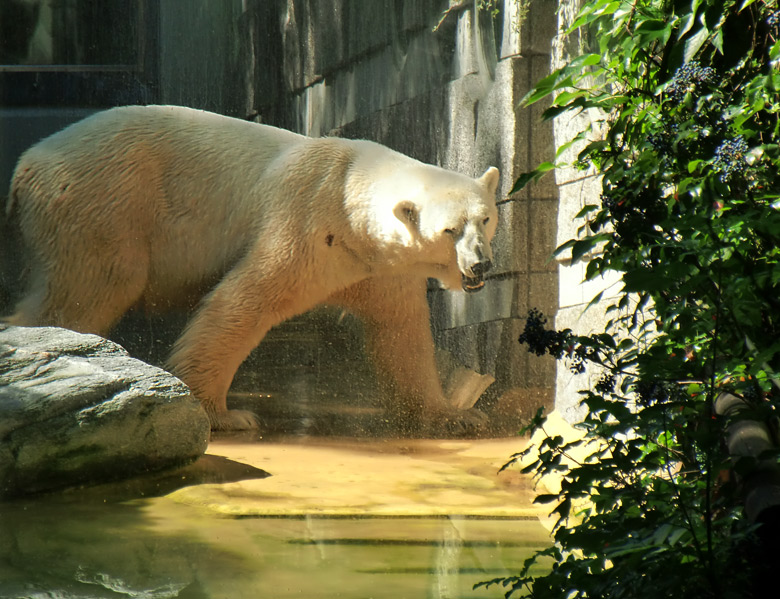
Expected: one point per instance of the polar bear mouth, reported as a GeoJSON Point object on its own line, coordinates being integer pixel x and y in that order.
{"type": "Point", "coordinates": [471, 284]}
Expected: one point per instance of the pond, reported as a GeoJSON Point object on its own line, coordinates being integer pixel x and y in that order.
{"type": "Point", "coordinates": [368, 519]}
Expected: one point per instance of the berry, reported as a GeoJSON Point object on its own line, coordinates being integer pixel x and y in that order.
{"type": "Point", "coordinates": [689, 78]}
{"type": "Point", "coordinates": [556, 343]}
{"type": "Point", "coordinates": [652, 392]}
{"type": "Point", "coordinates": [634, 216]}
{"type": "Point", "coordinates": [606, 384]}
{"type": "Point", "coordinates": [541, 340]}
{"type": "Point", "coordinates": [730, 158]}
{"type": "Point", "coordinates": [663, 141]}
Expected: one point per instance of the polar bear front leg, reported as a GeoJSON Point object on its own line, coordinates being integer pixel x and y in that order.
{"type": "Point", "coordinates": [207, 356]}
{"type": "Point", "coordinates": [231, 321]}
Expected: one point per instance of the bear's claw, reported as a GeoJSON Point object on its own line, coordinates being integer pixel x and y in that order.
{"type": "Point", "coordinates": [234, 420]}
{"type": "Point", "coordinates": [454, 424]}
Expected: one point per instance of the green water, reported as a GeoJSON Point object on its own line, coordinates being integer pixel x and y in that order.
{"type": "Point", "coordinates": [159, 549]}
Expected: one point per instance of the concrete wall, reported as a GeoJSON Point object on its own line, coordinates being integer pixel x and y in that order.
{"type": "Point", "coordinates": [575, 189]}
{"type": "Point", "coordinates": [193, 47]}
{"type": "Point", "coordinates": [199, 57]}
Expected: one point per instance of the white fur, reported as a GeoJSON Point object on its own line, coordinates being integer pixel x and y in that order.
{"type": "Point", "coordinates": [154, 206]}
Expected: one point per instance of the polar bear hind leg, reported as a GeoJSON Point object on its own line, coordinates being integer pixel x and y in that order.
{"type": "Point", "coordinates": [81, 289]}
{"type": "Point", "coordinates": [396, 320]}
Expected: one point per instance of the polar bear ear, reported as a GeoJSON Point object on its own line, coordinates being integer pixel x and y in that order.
{"type": "Point", "coordinates": [408, 214]}
{"type": "Point", "coordinates": [489, 180]}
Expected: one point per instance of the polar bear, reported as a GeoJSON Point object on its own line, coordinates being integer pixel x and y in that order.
{"type": "Point", "coordinates": [151, 206]}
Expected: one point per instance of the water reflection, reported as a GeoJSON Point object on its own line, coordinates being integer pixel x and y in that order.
{"type": "Point", "coordinates": [157, 549]}
{"type": "Point", "coordinates": [95, 551]}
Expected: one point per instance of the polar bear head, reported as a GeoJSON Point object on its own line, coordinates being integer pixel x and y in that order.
{"type": "Point", "coordinates": [453, 219]}
{"type": "Point", "coordinates": [424, 218]}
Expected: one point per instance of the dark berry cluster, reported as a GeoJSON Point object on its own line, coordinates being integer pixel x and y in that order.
{"type": "Point", "coordinates": [652, 392]}
{"type": "Point", "coordinates": [773, 20]}
{"type": "Point", "coordinates": [659, 142]}
{"type": "Point", "coordinates": [558, 344]}
{"type": "Point", "coordinates": [730, 158]}
{"type": "Point", "coordinates": [663, 141]}
{"type": "Point", "coordinates": [752, 395]}
{"type": "Point", "coordinates": [540, 340]}
{"type": "Point", "coordinates": [634, 217]}
{"type": "Point", "coordinates": [689, 78]}
{"type": "Point", "coordinates": [606, 384]}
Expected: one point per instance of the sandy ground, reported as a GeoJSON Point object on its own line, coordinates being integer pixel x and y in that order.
{"type": "Point", "coordinates": [327, 476]}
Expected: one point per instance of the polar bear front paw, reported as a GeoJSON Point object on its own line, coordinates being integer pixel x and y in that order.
{"type": "Point", "coordinates": [466, 422]}
{"type": "Point", "coordinates": [234, 420]}
{"type": "Point", "coordinates": [456, 424]}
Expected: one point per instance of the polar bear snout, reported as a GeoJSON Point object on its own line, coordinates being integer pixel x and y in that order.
{"type": "Point", "coordinates": [479, 269]}
{"type": "Point", "coordinates": [473, 279]}
{"type": "Point", "coordinates": [474, 254]}
{"type": "Point", "coordinates": [475, 257]}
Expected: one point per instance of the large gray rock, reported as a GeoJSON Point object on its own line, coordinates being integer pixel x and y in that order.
{"type": "Point", "coordinates": [77, 409]}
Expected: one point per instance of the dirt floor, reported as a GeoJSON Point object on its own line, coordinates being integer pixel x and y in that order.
{"type": "Point", "coordinates": [332, 476]}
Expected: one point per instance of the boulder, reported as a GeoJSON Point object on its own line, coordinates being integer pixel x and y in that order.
{"type": "Point", "coordinates": [76, 409]}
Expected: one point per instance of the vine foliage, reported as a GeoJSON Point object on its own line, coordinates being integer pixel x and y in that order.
{"type": "Point", "coordinates": [684, 105]}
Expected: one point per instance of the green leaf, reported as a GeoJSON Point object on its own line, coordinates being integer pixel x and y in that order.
{"type": "Point", "coordinates": [546, 498]}
{"type": "Point", "coordinates": [774, 51]}
{"type": "Point", "coordinates": [638, 281]}
{"type": "Point", "coordinates": [532, 176]}
{"type": "Point", "coordinates": [564, 246]}
{"type": "Point", "coordinates": [694, 44]}
{"type": "Point", "coordinates": [676, 535]}
{"type": "Point", "coordinates": [581, 248]}
{"type": "Point", "coordinates": [717, 40]}
{"type": "Point", "coordinates": [566, 96]}
{"type": "Point", "coordinates": [542, 88]}
{"type": "Point", "coordinates": [586, 60]}
{"type": "Point", "coordinates": [698, 254]}
{"type": "Point", "coordinates": [590, 12]}
{"type": "Point", "coordinates": [690, 18]}
{"type": "Point", "coordinates": [546, 86]}
{"type": "Point", "coordinates": [652, 25]}
{"type": "Point", "coordinates": [586, 209]}
{"type": "Point", "coordinates": [585, 246]}
{"type": "Point", "coordinates": [693, 165]}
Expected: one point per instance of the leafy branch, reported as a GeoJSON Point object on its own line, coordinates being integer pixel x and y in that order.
{"type": "Point", "coordinates": [685, 100]}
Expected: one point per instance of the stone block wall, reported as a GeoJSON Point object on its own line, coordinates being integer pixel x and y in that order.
{"type": "Point", "coordinates": [575, 190]}
{"type": "Point", "coordinates": [199, 61]}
